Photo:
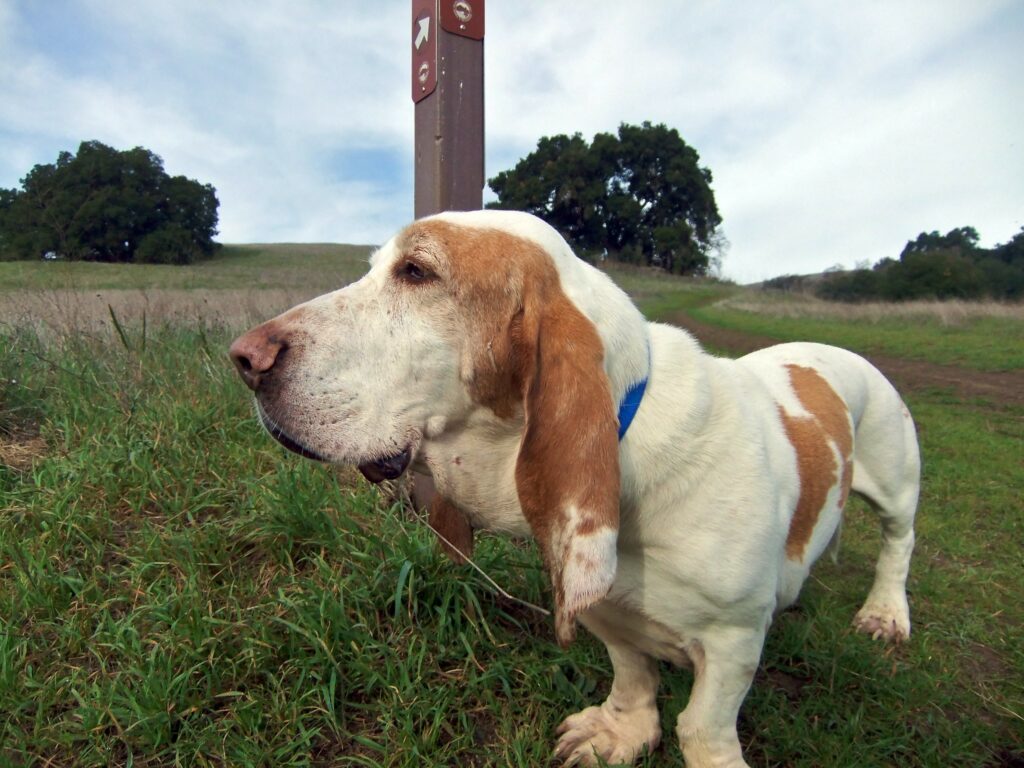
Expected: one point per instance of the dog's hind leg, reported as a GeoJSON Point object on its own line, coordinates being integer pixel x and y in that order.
{"type": "Point", "coordinates": [886, 472]}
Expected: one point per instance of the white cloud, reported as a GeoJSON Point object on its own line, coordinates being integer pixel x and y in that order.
{"type": "Point", "coordinates": [253, 99]}
{"type": "Point", "coordinates": [829, 129]}
{"type": "Point", "coordinates": [834, 133]}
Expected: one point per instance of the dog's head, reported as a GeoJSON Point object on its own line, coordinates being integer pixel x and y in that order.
{"type": "Point", "coordinates": [459, 313]}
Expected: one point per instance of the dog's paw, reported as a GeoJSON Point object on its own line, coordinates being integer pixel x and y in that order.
{"type": "Point", "coordinates": [618, 739]}
{"type": "Point", "coordinates": [883, 622]}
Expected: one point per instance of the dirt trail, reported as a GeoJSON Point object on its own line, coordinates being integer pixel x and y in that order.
{"type": "Point", "coordinates": [999, 387]}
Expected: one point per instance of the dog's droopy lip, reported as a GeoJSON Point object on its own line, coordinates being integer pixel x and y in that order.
{"type": "Point", "coordinates": [376, 471]}
{"type": "Point", "coordinates": [284, 438]}
{"type": "Point", "coordinates": [387, 468]}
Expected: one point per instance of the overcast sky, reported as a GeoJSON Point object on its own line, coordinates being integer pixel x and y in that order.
{"type": "Point", "coordinates": [835, 131]}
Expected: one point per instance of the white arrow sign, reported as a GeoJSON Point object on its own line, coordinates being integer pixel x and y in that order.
{"type": "Point", "coordinates": [424, 34]}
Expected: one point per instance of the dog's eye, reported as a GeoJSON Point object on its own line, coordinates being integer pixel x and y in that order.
{"type": "Point", "coordinates": [414, 272]}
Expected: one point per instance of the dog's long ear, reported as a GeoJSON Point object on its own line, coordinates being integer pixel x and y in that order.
{"type": "Point", "coordinates": [452, 528]}
{"type": "Point", "coordinates": [531, 350]}
{"type": "Point", "coordinates": [567, 471]}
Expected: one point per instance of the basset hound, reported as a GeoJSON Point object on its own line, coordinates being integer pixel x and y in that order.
{"type": "Point", "coordinates": [679, 499]}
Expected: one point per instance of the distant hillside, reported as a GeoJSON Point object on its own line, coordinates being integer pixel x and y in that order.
{"type": "Point", "coordinates": [796, 283]}
{"type": "Point", "coordinates": [932, 266]}
{"type": "Point", "coordinates": [321, 266]}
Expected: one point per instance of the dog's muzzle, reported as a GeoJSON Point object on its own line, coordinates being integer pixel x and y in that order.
{"type": "Point", "coordinates": [284, 438]}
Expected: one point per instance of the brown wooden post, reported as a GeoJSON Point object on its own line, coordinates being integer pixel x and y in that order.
{"type": "Point", "coordinates": [448, 90]}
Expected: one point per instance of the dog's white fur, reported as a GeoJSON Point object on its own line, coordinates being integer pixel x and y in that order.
{"type": "Point", "coordinates": [706, 547]}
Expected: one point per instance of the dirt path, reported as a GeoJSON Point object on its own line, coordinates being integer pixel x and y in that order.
{"type": "Point", "coordinates": [1002, 388]}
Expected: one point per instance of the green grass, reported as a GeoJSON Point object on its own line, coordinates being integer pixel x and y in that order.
{"type": "Point", "coordinates": [657, 294]}
{"type": "Point", "coordinates": [175, 589]}
{"type": "Point", "coordinates": [282, 265]}
{"type": "Point", "coordinates": [987, 343]}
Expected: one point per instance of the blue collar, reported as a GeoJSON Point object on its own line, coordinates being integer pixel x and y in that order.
{"type": "Point", "coordinates": [631, 403]}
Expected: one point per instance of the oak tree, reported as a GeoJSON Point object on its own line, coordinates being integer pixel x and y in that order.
{"type": "Point", "coordinates": [640, 195]}
{"type": "Point", "coordinates": [102, 204]}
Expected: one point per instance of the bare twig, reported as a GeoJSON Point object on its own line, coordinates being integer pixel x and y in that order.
{"type": "Point", "coordinates": [478, 569]}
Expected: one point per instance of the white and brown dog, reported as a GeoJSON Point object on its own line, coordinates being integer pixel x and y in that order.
{"type": "Point", "coordinates": [679, 499]}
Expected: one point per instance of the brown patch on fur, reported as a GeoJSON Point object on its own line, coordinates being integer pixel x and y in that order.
{"type": "Point", "coordinates": [816, 438]}
{"type": "Point", "coordinates": [485, 272]}
{"type": "Point", "coordinates": [534, 353]}
{"type": "Point", "coordinates": [452, 524]}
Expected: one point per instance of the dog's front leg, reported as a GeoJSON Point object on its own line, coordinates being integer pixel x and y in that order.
{"type": "Point", "coordinates": [627, 722]}
{"type": "Point", "coordinates": [724, 662]}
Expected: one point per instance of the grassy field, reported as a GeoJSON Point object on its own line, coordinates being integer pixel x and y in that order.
{"type": "Point", "coordinates": [242, 285]}
{"type": "Point", "coordinates": [175, 589]}
{"type": "Point", "coordinates": [284, 265]}
{"type": "Point", "coordinates": [987, 336]}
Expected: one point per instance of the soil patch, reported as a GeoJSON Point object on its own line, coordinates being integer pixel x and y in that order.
{"type": "Point", "coordinates": [999, 387]}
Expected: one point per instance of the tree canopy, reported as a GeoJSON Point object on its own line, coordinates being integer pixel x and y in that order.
{"type": "Point", "coordinates": [639, 196]}
{"type": "Point", "coordinates": [102, 204]}
{"type": "Point", "coordinates": [934, 266]}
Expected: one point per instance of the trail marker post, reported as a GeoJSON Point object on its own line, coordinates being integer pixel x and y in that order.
{"type": "Point", "coordinates": [448, 91]}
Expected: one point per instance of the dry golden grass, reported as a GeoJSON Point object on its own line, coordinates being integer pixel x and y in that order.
{"type": "Point", "coordinates": [800, 306]}
{"type": "Point", "coordinates": [62, 312]}
{"type": "Point", "coordinates": [21, 451]}
{"type": "Point", "coordinates": [243, 285]}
